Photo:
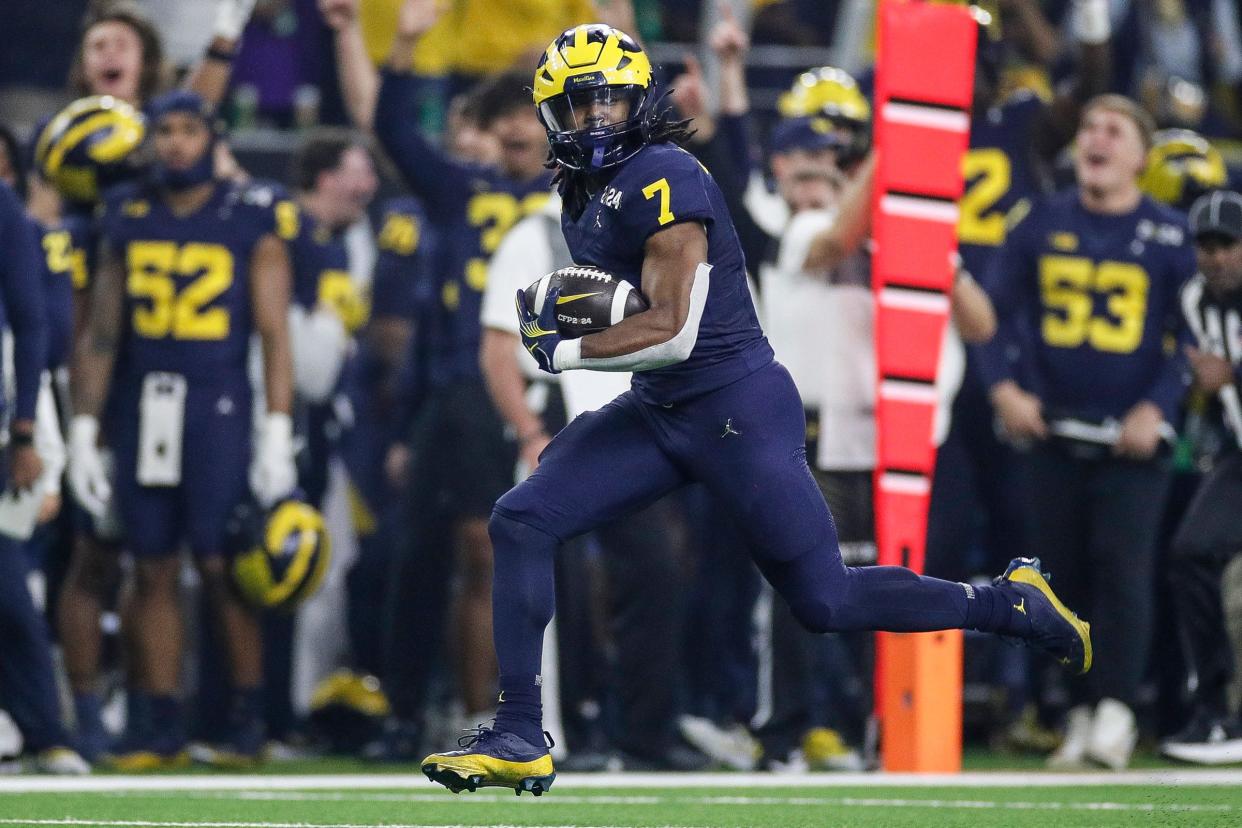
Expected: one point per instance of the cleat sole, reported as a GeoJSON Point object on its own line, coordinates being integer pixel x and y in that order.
{"type": "Point", "coordinates": [537, 785]}
{"type": "Point", "coordinates": [1031, 576]}
{"type": "Point", "coordinates": [455, 782]}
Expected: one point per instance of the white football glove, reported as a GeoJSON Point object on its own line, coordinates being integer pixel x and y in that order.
{"type": "Point", "coordinates": [88, 475]}
{"type": "Point", "coordinates": [320, 345]}
{"type": "Point", "coordinates": [273, 474]}
{"type": "Point", "coordinates": [231, 18]}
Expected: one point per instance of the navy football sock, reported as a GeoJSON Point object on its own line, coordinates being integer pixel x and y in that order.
{"type": "Point", "coordinates": [523, 599]}
{"type": "Point", "coordinates": [994, 609]}
{"type": "Point", "coordinates": [521, 707]}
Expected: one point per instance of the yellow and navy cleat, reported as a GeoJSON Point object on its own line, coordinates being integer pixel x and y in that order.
{"type": "Point", "coordinates": [492, 759]}
{"type": "Point", "coordinates": [147, 759]}
{"type": "Point", "coordinates": [1054, 628]}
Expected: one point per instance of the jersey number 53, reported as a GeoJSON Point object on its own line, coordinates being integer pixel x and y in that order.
{"type": "Point", "coordinates": [1068, 287]}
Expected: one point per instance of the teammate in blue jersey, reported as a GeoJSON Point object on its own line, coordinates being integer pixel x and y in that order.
{"type": "Point", "coordinates": [461, 460]}
{"type": "Point", "coordinates": [27, 675]}
{"type": "Point", "coordinates": [189, 268]}
{"type": "Point", "coordinates": [334, 176]}
{"type": "Point", "coordinates": [708, 404]}
{"type": "Point", "coordinates": [1087, 284]}
{"type": "Point", "coordinates": [1015, 135]}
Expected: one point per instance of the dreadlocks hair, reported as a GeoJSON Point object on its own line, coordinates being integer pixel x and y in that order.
{"type": "Point", "coordinates": [576, 186]}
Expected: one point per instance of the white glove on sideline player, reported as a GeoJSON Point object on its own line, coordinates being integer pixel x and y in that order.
{"type": "Point", "coordinates": [88, 477]}
{"type": "Point", "coordinates": [273, 474]}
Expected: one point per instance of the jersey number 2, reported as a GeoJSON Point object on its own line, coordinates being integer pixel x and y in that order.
{"type": "Point", "coordinates": [183, 314]}
{"type": "Point", "coordinates": [988, 175]}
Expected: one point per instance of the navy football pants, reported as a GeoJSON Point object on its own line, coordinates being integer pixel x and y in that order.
{"type": "Point", "coordinates": [745, 442]}
{"type": "Point", "coordinates": [27, 678]}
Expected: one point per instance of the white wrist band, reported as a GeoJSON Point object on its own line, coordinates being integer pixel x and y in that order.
{"type": "Point", "coordinates": [568, 355]}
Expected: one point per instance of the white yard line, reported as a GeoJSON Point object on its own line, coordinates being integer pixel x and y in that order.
{"type": "Point", "coordinates": [144, 823]}
{"type": "Point", "coordinates": [1034, 779]}
{"type": "Point", "coordinates": [488, 798]}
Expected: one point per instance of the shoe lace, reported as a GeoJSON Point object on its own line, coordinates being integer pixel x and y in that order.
{"type": "Point", "coordinates": [473, 736]}
{"type": "Point", "coordinates": [479, 734]}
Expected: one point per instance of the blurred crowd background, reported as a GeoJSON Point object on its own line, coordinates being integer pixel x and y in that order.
{"type": "Point", "coordinates": [670, 653]}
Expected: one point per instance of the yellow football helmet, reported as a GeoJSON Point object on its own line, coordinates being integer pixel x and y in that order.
{"type": "Point", "coordinates": [826, 91]}
{"type": "Point", "coordinates": [830, 94]}
{"type": "Point", "coordinates": [1181, 166]}
{"type": "Point", "coordinates": [281, 555]}
{"type": "Point", "coordinates": [88, 146]}
{"type": "Point", "coordinates": [592, 89]}
{"type": "Point", "coordinates": [347, 710]}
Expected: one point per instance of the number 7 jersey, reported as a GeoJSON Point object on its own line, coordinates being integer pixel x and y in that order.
{"type": "Point", "coordinates": [187, 289]}
{"type": "Point", "coordinates": [657, 188]}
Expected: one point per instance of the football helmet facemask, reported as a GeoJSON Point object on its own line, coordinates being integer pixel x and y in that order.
{"type": "Point", "coordinates": [594, 94]}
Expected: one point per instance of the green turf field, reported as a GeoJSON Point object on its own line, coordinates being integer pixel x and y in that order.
{"type": "Point", "coordinates": [735, 800]}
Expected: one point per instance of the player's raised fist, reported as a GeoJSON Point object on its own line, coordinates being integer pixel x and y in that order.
{"type": "Point", "coordinates": [338, 13]}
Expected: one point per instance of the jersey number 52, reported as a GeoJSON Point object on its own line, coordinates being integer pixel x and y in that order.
{"type": "Point", "coordinates": [179, 310]}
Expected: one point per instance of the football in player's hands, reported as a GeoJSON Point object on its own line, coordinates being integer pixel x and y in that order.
{"type": "Point", "coordinates": [590, 300]}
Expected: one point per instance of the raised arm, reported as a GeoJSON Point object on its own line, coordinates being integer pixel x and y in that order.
{"type": "Point", "coordinates": [426, 168]}
{"type": "Point", "coordinates": [358, 76]}
{"type": "Point", "coordinates": [853, 222]}
{"type": "Point", "coordinates": [1092, 30]}
{"type": "Point", "coordinates": [210, 76]}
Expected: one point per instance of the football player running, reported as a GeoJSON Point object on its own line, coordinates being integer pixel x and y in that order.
{"type": "Point", "coordinates": [708, 404]}
{"type": "Point", "coordinates": [189, 266]}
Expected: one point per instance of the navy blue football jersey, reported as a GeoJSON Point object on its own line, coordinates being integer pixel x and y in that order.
{"type": "Point", "coordinates": [999, 172]}
{"type": "Point", "coordinates": [661, 185]}
{"type": "Point", "coordinates": [403, 285]}
{"type": "Point", "coordinates": [64, 272]}
{"type": "Point", "coordinates": [473, 206]}
{"type": "Point", "coordinates": [1099, 298]}
{"type": "Point", "coordinates": [318, 256]}
{"type": "Point", "coordinates": [187, 296]}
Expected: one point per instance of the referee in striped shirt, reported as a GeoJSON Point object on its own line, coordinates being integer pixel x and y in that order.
{"type": "Point", "coordinates": [1210, 535]}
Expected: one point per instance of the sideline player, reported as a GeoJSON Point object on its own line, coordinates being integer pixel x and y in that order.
{"type": "Point", "coordinates": [1087, 285]}
{"type": "Point", "coordinates": [461, 461]}
{"type": "Point", "coordinates": [708, 404]}
{"type": "Point", "coordinates": [189, 267]}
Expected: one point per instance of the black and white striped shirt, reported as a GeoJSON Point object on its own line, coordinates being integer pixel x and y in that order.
{"type": "Point", "coordinates": [1217, 326]}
